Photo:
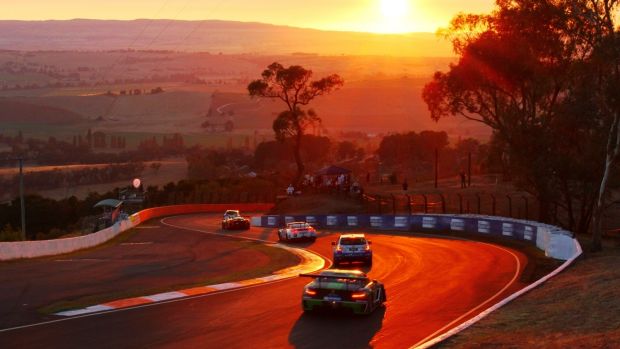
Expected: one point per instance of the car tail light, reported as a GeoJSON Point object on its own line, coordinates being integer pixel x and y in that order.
{"type": "Point", "coordinates": [367, 247]}
{"type": "Point", "coordinates": [338, 249]}
{"type": "Point", "coordinates": [310, 292]}
{"type": "Point", "coordinates": [358, 295]}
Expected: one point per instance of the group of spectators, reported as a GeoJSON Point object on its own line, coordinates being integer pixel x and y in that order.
{"type": "Point", "coordinates": [326, 184]}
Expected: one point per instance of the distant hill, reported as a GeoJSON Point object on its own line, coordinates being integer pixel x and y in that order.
{"type": "Point", "coordinates": [15, 111]}
{"type": "Point", "coordinates": [210, 35]}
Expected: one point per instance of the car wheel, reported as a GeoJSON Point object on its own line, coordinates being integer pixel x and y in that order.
{"type": "Point", "coordinates": [223, 226]}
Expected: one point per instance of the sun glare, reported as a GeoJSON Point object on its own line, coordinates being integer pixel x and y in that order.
{"type": "Point", "coordinates": [394, 8]}
{"type": "Point", "coordinates": [394, 16]}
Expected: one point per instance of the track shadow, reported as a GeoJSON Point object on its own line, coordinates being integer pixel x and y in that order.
{"type": "Point", "coordinates": [336, 330]}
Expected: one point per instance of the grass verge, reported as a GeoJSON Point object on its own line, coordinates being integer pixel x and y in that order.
{"type": "Point", "coordinates": [578, 308]}
{"type": "Point", "coordinates": [279, 259]}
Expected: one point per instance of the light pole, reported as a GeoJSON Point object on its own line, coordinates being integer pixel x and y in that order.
{"type": "Point", "coordinates": [436, 166]}
{"type": "Point", "coordinates": [21, 196]}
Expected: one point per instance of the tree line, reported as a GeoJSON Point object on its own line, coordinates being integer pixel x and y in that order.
{"type": "Point", "coordinates": [545, 76]}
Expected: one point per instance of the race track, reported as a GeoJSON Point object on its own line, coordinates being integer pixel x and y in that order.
{"type": "Point", "coordinates": [432, 284]}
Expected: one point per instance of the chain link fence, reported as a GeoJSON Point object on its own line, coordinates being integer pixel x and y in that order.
{"type": "Point", "coordinates": [515, 205]}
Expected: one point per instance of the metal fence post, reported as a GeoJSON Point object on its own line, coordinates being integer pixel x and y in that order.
{"type": "Point", "coordinates": [393, 204]}
{"type": "Point", "coordinates": [493, 205]}
{"type": "Point", "coordinates": [479, 202]}
{"type": "Point", "coordinates": [460, 203]}
{"type": "Point", "coordinates": [425, 203]}
{"type": "Point", "coordinates": [443, 203]}
{"type": "Point", "coordinates": [526, 207]}
{"type": "Point", "coordinates": [408, 203]}
{"type": "Point", "coordinates": [509, 205]}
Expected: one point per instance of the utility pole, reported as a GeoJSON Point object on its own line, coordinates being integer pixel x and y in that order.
{"type": "Point", "coordinates": [436, 161]}
{"type": "Point", "coordinates": [469, 169]}
{"type": "Point", "coordinates": [21, 196]}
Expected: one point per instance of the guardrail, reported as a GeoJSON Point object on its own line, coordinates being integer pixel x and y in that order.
{"type": "Point", "coordinates": [40, 248]}
{"type": "Point", "coordinates": [556, 242]}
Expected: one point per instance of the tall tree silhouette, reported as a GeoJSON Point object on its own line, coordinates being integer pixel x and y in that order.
{"type": "Point", "coordinates": [293, 86]}
{"type": "Point", "coordinates": [525, 70]}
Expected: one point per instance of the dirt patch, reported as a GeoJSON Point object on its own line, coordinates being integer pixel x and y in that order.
{"type": "Point", "coordinates": [577, 309]}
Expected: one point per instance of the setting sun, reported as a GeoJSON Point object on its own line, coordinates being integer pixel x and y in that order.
{"type": "Point", "coordinates": [394, 8]}
{"type": "Point", "coordinates": [394, 16]}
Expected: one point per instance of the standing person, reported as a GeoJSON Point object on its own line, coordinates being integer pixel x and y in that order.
{"type": "Point", "coordinates": [405, 185]}
{"type": "Point", "coordinates": [463, 179]}
{"type": "Point", "coordinates": [367, 177]}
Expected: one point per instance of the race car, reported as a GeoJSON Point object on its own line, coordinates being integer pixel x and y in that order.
{"type": "Point", "coordinates": [297, 231]}
{"type": "Point", "coordinates": [234, 220]}
{"type": "Point", "coordinates": [342, 289]}
{"type": "Point", "coordinates": [352, 248]}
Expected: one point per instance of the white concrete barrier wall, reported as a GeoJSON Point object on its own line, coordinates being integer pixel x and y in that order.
{"type": "Point", "coordinates": [40, 248]}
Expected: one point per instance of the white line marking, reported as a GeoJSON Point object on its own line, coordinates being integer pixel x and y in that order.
{"type": "Point", "coordinates": [87, 310]}
{"type": "Point", "coordinates": [225, 286]}
{"type": "Point", "coordinates": [105, 312]}
{"type": "Point", "coordinates": [214, 293]}
{"type": "Point", "coordinates": [514, 278]}
{"type": "Point", "coordinates": [136, 243]}
{"type": "Point", "coordinates": [165, 296]}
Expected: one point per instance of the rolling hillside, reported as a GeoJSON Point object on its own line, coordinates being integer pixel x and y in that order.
{"type": "Point", "coordinates": [210, 35]}
{"type": "Point", "coordinates": [12, 111]}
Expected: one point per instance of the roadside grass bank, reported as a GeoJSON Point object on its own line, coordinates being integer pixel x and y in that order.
{"type": "Point", "coordinates": [579, 308]}
{"type": "Point", "coordinates": [278, 259]}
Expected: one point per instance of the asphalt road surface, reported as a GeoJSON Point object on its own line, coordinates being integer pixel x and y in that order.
{"type": "Point", "coordinates": [432, 284]}
{"type": "Point", "coordinates": [147, 261]}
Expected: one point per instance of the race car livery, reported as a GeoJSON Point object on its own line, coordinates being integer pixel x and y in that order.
{"type": "Point", "coordinates": [336, 289]}
{"type": "Point", "coordinates": [352, 248]}
{"type": "Point", "coordinates": [234, 220]}
{"type": "Point", "coordinates": [296, 231]}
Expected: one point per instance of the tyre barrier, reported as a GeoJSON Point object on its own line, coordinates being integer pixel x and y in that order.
{"type": "Point", "coordinates": [556, 242]}
{"type": "Point", "coordinates": [41, 248]}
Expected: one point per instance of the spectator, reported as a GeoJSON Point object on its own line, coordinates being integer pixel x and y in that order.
{"type": "Point", "coordinates": [405, 185]}
{"type": "Point", "coordinates": [290, 190]}
{"type": "Point", "coordinates": [463, 179]}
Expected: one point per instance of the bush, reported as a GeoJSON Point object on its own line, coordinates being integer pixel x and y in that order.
{"type": "Point", "coordinates": [9, 234]}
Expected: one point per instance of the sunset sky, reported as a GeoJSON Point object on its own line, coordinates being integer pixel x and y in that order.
{"type": "Point", "coordinates": [383, 16]}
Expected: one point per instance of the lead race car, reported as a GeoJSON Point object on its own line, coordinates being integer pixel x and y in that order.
{"type": "Point", "coordinates": [352, 248]}
{"type": "Point", "coordinates": [342, 289]}
{"type": "Point", "coordinates": [233, 220]}
{"type": "Point", "coordinates": [297, 231]}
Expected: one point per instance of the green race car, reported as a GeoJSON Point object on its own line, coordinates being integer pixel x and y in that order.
{"type": "Point", "coordinates": [342, 289]}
